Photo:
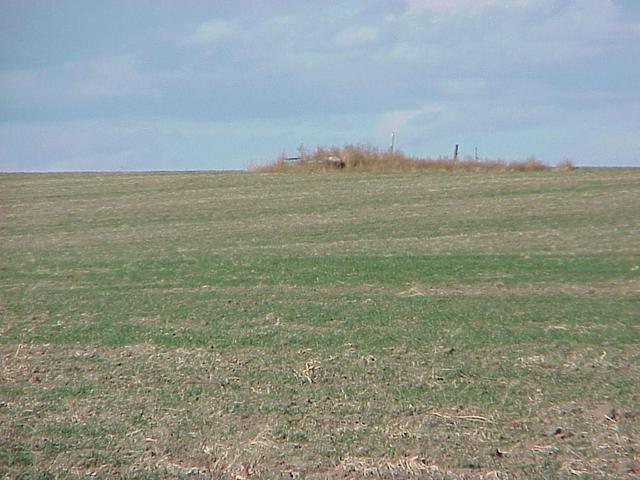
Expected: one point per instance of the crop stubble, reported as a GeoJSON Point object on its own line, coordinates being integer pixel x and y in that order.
{"type": "Point", "coordinates": [323, 326]}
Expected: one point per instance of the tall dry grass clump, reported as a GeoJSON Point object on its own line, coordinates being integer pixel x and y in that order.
{"type": "Point", "coordinates": [565, 165]}
{"type": "Point", "coordinates": [372, 159]}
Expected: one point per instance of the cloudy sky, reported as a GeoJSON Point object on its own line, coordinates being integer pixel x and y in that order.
{"type": "Point", "coordinates": [222, 84]}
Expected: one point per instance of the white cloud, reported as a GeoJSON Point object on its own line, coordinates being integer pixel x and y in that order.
{"type": "Point", "coordinates": [157, 142]}
{"type": "Point", "coordinates": [71, 145]}
{"type": "Point", "coordinates": [431, 70]}
{"type": "Point", "coordinates": [88, 80]}
{"type": "Point", "coordinates": [395, 121]}
{"type": "Point", "coordinates": [211, 31]}
{"type": "Point", "coordinates": [503, 37]}
{"type": "Point", "coordinates": [116, 76]}
{"type": "Point", "coordinates": [461, 87]}
{"type": "Point", "coordinates": [587, 20]}
{"type": "Point", "coordinates": [356, 37]}
{"type": "Point", "coordinates": [446, 6]}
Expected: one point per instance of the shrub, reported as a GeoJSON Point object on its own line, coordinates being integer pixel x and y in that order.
{"type": "Point", "coordinates": [368, 158]}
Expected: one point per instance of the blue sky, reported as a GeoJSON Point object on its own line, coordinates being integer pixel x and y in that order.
{"type": "Point", "coordinates": [172, 85]}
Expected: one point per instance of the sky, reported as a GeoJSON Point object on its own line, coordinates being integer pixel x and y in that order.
{"type": "Point", "coordinates": [225, 84]}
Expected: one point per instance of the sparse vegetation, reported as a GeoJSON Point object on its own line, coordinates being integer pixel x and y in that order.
{"type": "Point", "coordinates": [371, 159]}
{"type": "Point", "coordinates": [397, 325]}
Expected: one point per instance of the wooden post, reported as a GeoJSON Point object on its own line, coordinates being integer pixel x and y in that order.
{"type": "Point", "coordinates": [455, 152]}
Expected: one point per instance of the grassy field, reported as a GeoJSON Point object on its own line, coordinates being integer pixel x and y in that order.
{"type": "Point", "coordinates": [336, 325]}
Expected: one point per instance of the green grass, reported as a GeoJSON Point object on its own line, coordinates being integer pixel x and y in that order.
{"type": "Point", "coordinates": [331, 325]}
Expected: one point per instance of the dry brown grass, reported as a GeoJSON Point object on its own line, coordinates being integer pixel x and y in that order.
{"type": "Point", "coordinates": [372, 159]}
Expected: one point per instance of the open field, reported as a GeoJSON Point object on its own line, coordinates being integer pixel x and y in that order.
{"type": "Point", "coordinates": [336, 325]}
